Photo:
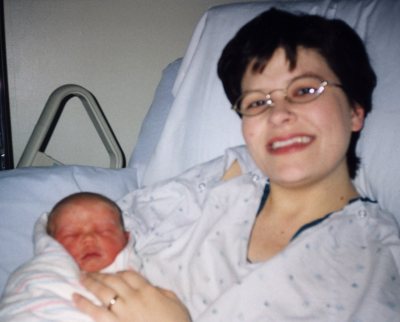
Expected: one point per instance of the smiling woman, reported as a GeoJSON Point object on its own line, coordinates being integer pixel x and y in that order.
{"type": "Point", "coordinates": [301, 147]}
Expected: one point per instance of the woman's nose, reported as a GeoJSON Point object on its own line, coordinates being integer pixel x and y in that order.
{"type": "Point", "coordinates": [281, 112]}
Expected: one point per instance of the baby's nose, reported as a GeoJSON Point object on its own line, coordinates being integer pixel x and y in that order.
{"type": "Point", "coordinates": [89, 237]}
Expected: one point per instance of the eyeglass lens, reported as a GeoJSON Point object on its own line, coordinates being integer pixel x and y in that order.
{"type": "Point", "coordinates": [300, 90]}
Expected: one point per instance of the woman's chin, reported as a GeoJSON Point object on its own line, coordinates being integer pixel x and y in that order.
{"type": "Point", "coordinates": [292, 179]}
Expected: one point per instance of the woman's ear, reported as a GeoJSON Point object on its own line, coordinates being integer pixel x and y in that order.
{"type": "Point", "coordinates": [357, 118]}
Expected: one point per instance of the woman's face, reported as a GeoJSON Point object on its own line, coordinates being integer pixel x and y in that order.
{"type": "Point", "coordinates": [295, 144]}
{"type": "Point", "coordinates": [90, 230]}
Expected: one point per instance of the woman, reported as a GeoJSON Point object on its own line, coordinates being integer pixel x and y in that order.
{"type": "Point", "coordinates": [313, 249]}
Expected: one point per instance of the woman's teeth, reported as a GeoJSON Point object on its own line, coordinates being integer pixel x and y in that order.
{"type": "Point", "coordinates": [295, 140]}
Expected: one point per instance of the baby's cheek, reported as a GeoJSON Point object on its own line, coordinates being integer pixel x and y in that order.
{"type": "Point", "coordinates": [115, 248]}
{"type": "Point", "coordinates": [72, 248]}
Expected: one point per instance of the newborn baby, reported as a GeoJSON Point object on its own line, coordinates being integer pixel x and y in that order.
{"type": "Point", "coordinates": [83, 232]}
{"type": "Point", "coordinates": [90, 227]}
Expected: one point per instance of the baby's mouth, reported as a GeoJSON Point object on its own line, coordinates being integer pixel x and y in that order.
{"type": "Point", "coordinates": [90, 255]}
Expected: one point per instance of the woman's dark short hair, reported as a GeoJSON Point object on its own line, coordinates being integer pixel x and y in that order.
{"type": "Point", "coordinates": [333, 39]}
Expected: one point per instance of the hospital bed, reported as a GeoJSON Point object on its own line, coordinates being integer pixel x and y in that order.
{"type": "Point", "coordinates": [190, 121]}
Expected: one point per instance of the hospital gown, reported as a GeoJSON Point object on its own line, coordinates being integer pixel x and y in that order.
{"type": "Point", "coordinates": [193, 232]}
{"type": "Point", "coordinates": [41, 289]}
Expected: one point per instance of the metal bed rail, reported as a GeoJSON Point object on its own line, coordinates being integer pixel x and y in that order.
{"type": "Point", "coordinates": [34, 152]}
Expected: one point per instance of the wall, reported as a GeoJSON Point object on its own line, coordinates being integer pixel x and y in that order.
{"type": "Point", "coordinates": [114, 48]}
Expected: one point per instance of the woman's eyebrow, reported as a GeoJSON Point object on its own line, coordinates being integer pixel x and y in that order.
{"type": "Point", "coordinates": [307, 74]}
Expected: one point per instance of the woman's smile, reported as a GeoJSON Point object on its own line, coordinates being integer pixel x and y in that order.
{"type": "Point", "coordinates": [293, 143]}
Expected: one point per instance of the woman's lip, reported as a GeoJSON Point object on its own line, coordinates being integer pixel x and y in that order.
{"type": "Point", "coordinates": [289, 144]}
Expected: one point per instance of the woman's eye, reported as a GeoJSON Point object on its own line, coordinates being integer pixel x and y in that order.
{"type": "Point", "coordinates": [257, 103]}
{"type": "Point", "coordinates": [304, 91]}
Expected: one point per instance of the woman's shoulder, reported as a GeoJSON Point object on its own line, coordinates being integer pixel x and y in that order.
{"type": "Point", "coordinates": [368, 210]}
{"type": "Point", "coordinates": [365, 218]}
{"type": "Point", "coordinates": [210, 172]}
{"type": "Point", "coordinates": [216, 168]}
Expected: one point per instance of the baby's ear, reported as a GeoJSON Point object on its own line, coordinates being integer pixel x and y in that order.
{"type": "Point", "coordinates": [127, 235]}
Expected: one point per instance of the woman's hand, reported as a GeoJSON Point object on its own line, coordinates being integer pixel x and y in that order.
{"type": "Point", "coordinates": [129, 297]}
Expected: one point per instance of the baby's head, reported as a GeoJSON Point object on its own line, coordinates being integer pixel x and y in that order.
{"type": "Point", "coordinates": [90, 227]}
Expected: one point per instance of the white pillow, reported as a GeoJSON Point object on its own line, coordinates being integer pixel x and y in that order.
{"type": "Point", "coordinates": [153, 123]}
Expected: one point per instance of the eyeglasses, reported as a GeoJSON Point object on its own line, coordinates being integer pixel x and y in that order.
{"type": "Point", "coordinates": [300, 90]}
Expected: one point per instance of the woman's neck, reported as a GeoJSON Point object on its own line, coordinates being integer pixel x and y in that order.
{"type": "Point", "coordinates": [310, 202]}
{"type": "Point", "coordinates": [287, 210]}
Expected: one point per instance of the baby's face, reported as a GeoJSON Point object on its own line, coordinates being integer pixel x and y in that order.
{"type": "Point", "coordinates": [91, 232]}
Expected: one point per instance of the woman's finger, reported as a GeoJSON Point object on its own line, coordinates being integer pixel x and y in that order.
{"type": "Point", "coordinates": [168, 294]}
{"type": "Point", "coordinates": [121, 283]}
{"type": "Point", "coordinates": [105, 292]}
{"type": "Point", "coordinates": [98, 313]}
{"type": "Point", "coordinates": [113, 290]}
{"type": "Point", "coordinates": [133, 279]}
